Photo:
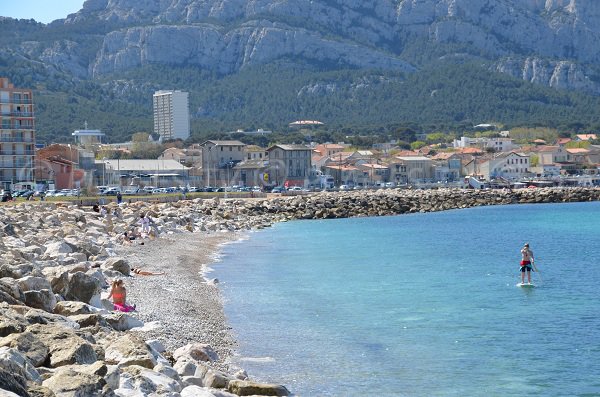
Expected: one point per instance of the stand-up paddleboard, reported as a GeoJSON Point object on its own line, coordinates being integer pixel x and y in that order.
{"type": "Point", "coordinates": [526, 285]}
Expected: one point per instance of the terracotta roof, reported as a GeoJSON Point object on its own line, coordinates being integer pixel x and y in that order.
{"type": "Point", "coordinates": [547, 148]}
{"type": "Point", "coordinates": [576, 150]}
{"type": "Point", "coordinates": [471, 150]}
{"type": "Point", "coordinates": [586, 137]}
{"type": "Point", "coordinates": [406, 153]}
{"type": "Point", "coordinates": [563, 141]}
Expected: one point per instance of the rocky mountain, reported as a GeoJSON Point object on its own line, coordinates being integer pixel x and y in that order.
{"type": "Point", "coordinates": [551, 43]}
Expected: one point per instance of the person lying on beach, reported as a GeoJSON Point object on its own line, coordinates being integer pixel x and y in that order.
{"type": "Point", "coordinates": [141, 272]}
{"type": "Point", "coordinates": [126, 238]}
{"type": "Point", "coordinates": [119, 295]}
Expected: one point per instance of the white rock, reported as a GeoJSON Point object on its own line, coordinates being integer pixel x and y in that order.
{"type": "Point", "coordinates": [196, 391]}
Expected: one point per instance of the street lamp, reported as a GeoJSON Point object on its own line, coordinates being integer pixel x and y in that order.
{"type": "Point", "coordinates": [276, 174]}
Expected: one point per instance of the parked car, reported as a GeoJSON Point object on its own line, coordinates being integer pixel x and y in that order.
{"type": "Point", "coordinates": [111, 191]}
{"type": "Point", "coordinates": [131, 191]}
{"type": "Point", "coordinates": [278, 189]}
{"type": "Point", "coordinates": [344, 187]}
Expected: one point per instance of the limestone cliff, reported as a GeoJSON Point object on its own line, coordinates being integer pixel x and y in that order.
{"type": "Point", "coordinates": [550, 42]}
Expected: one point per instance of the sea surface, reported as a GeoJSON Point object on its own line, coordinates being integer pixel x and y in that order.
{"type": "Point", "coordinates": [421, 304]}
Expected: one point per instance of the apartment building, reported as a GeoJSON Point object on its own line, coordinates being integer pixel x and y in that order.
{"type": "Point", "coordinates": [171, 114]}
{"type": "Point", "coordinates": [17, 137]}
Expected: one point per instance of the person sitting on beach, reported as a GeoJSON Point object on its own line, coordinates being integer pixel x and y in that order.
{"type": "Point", "coordinates": [119, 295]}
{"type": "Point", "coordinates": [103, 211]}
{"type": "Point", "coordinates": [96, 208]}
{"type": "Point", "coordinates": [137, 270]}
{"type": "Point", "coordinates": [125, 238]}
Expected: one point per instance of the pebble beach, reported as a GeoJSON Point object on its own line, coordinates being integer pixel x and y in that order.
{"type": "Point", "coordinates": [181, 306]}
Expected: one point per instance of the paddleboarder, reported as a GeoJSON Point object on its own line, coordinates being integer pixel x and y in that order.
{"type": "Point", "coordinates": [526, 262]}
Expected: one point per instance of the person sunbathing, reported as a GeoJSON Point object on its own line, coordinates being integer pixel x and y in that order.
{"type": "Point", "coordinates": [137, 270]}
{"type": "Point", "coordinates": [119, 295]}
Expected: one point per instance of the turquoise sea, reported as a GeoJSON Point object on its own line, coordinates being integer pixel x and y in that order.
{"type": "Point", "coordinates": [421, 304]}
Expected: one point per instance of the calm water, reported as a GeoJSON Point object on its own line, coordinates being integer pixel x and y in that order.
{"type": "Point", "coordinates": [421, 305]}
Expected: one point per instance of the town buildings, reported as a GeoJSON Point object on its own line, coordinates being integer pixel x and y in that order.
{"type": "Point", "coordinates": [17, 136]}
{"type": "Point", "coordinates": [171, 114]}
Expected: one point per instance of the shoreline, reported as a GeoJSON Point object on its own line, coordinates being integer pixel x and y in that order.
{"type": "Point", "coordinates": [182, 306]}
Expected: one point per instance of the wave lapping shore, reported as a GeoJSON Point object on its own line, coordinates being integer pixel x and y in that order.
{"type": "Point", "coordinates": [60, 337]}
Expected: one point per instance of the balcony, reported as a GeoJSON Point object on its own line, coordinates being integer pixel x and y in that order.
{"type": "Point", "coordinates": [16, 139]}
{"type": "Point", "coordinates": [16, 101]}
{"type": "Point", "coordinates": [15, 153]}
{"type": "Point", "coordinates": [17, 165]}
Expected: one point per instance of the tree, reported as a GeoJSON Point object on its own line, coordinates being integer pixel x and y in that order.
{"type": "Point", "coordinates": [416, 145]}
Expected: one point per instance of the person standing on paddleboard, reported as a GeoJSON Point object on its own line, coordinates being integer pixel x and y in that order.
{"type": "Point", "coordinates": [526, 261]}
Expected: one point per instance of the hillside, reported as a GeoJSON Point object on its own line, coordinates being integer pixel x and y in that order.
{"type": "Point", "coordinates": [258, 63]}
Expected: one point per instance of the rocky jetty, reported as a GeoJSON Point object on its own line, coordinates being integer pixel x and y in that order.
{"type": "Point", "coordinates": [59, 337]}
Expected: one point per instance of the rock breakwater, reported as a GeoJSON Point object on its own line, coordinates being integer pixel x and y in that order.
{"type": "Point", "coordinates": [59, 337]}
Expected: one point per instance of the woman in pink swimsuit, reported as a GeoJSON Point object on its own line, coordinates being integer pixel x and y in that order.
{"type": "Point", "coordinates": [119, 295]}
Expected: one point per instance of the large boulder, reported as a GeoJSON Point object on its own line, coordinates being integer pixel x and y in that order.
{"type": "Point", "coordinates": [57, 249]}
{"type": "Point", "coordinates": [13, 384]}
{"type": "Point", "coordinates": [30, 283]}
{"type": "Point", "coordinates": [197, 391]}
{"type": "Point", "coordinates": [43, 299]}
{"type": "Point", "coordinates": [71, 308]}
{"type": "Point", "coordinates": [10, 292]}
{"type": "Point", "coordinates": [28, 344]}
{"type": "Point", "coordinates": [64, 345]}
{"type": "Point", "coordinates": [122, 321]}
{"type": "Point", "coordinates": [67, 382]}
{"type": "Point", "coordinates": [196, 351]}
{"type": "Point", "coordinates": [129, 349]}
{"type": "Point", "coordinates": [117, 264]}
{"type": "Point", "coordinates": [146, 381]}
{"type": "Point", "coordinates": [15, 362]}
{"type": "Point", "coordinates": [247, 388]}
{"type": "Point", "coordinates": [15, 271]}
{"type": "Point", "coordinates": [82, 287]}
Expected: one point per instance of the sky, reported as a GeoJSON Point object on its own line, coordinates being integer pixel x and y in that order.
{"type": "Point", "coordinates": [44, 11]}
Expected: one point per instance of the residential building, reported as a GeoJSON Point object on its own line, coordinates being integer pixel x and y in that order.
{"type": "Point", "coordinates": [373, 174]}
{"type": "Point", "coordinates": [190, 156]}
{"type": "Point", "coordinates": [218, 158]}
{"type": "Point", "coordinates": [254, 152]}
{"type": "Point", "coordinates": [411, 169]}
{"type": "Point", "coordinates": [17, 137]}
{"type": "Point", "coordinates": [291, 164]}
{"type": "Point", "coordinates": [346, 174]}
{"type": "Point", "coordinates": [502, 144]}
{"type": "Point", "coordinates": [511, 166]}
{"type": "Point", "coordinates": [60, 166]}
{"type": "Point", "coordinates": [329, 149]}
{"type": "Point", "coordinates": [252, 172]}
{"type": "Point", "coordinates": [447, 167]}
{"type": "Point", "coordinates": [171, 114]}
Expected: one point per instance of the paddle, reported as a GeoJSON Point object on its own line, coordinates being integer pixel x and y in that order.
{"type": "Point", "coordinates": [535, 269]}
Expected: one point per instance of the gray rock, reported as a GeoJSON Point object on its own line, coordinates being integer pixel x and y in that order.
{"type": "Point", "coordinates": [13, 384]}
{"type": "Point", "coordinates": [65, 347]}
{"type": "Point", "coordinates": [196, 351]}
{"type": "Point", "coordinates": [70, 383]}
{"type": "Point", "coordinates": [246, 388]}
{"type": "Point", "coordinates": [29, 345]}
{"type": "Point", "coordinates": [71, 308]}
{"type": "Point", "coordinates": [43, 299]}
{"type": "Point", "coordinates": [13, 361]}
{"type": "Point", "coordinates": [82, 287]}
{"type": "Point", "coordinates": [117, 264]}
{"type": "Point", "coordinates": [129, 349]}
